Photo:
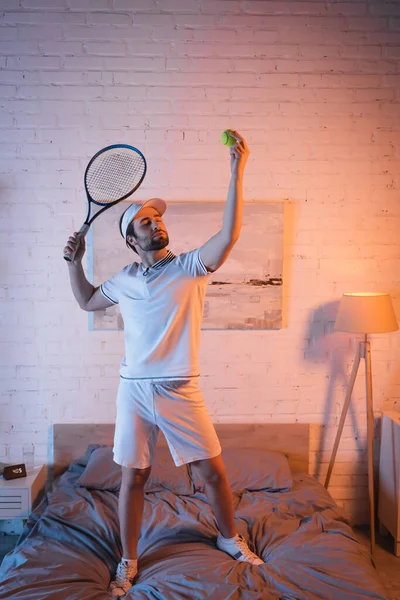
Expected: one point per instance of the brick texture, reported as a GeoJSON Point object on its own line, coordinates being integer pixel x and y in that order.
{"type": "Point", "coordinates": [313, 86]}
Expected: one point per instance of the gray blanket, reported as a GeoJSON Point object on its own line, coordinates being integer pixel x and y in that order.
{"type": "Point", "coordinates": [70, 548]}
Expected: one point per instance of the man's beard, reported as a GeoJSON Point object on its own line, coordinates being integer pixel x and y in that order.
{"type": "Point", "coordinates": [154, 243]}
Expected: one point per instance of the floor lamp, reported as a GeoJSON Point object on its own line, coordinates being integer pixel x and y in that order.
{"type": "Point", "coordinates": [363, 313]}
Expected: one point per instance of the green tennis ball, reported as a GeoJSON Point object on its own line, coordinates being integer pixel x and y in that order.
{"type": "Point", "coordinates": [227, 139]}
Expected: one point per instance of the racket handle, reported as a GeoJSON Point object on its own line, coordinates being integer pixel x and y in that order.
{"type": "Point", "coordinates": [69, 256]}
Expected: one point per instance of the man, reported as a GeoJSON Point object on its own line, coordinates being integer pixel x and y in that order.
{"type": "Point", "coordinates": [161, 301]}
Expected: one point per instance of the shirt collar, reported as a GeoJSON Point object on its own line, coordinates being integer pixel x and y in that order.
{"type": "Point", "coordinates": [160, 263]}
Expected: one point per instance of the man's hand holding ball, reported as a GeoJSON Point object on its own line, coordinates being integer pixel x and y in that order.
{"type": "Point", "coordinates": [239, 150]}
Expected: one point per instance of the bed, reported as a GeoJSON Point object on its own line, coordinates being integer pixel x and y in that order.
{"type": "Point", "coordinates": [70, 547]}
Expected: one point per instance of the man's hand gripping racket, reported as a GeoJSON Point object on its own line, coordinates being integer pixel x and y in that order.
{"type": "Point", "coordinates": [112, 175]}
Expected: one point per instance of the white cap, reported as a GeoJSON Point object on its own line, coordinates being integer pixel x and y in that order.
{"type": "Point", "coordinates": [134, 208]}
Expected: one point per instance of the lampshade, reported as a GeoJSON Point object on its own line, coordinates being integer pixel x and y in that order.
{"type": "Point", "coordinates": [366, 313]}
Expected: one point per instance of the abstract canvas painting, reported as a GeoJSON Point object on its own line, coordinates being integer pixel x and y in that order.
{"type": "Point", "coordinates": [244, 293]}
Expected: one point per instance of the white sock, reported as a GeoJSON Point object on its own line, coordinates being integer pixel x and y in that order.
{"type": "Point", "coordinates": [230, 538]}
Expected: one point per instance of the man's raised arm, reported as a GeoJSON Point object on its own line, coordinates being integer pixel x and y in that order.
{"type": "Point", "coordinates": [215, 252]}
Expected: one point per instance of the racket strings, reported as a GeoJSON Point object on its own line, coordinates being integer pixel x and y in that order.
{"type": "Point", "coordinates": [114, 174]}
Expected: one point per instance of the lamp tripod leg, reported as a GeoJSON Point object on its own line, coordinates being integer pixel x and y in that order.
{"type": "Point", "coordinates": [343, 415]}
{"type": "Point", "coordinates": [370, 438]}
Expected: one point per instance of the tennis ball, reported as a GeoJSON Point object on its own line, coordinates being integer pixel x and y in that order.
{"type": "Point", "coordinates": [227, 139]}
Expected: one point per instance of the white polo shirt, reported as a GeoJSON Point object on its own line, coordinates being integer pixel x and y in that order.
{"type": "Point", "coordinates": [162, 308]}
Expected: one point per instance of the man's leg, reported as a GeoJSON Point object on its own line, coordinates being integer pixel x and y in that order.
{"type": "Point", "coordinates": [130, 508]}
{"type": "Point", "coordinates": [212, 472]}
{"type": "Point", "coordinates": [181, 410]}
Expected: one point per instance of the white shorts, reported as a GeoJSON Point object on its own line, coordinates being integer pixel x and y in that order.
{"type": "Point", "coordinates": [176, 407]}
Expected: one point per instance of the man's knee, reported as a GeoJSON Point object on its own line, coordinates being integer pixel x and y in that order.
{"type": "Point", "coordinates": [135, 477]}
{"type": "Point", "coordinates": [210, 470]}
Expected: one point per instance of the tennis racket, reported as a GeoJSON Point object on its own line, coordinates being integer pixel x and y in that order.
{"type": "Point", "coordinates": [112, 175]}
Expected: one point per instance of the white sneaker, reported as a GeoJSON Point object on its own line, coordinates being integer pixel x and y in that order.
{"type": "Point", "coordinates": [238, 548]}
{"type": "Point", "coordinates": [124, 577]}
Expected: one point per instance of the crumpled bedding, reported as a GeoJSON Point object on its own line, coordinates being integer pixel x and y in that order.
{"type": "Point", "coordinates": [70, 548]}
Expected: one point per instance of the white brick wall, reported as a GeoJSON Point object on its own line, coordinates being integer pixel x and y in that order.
{"type": "Point", "coordinates": [313, 86]}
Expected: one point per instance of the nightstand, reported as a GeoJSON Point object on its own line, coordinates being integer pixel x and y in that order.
{"type": "Point", "coordinates": [18, 497]}
{"type": "Point", "coordinates": [389, 472]}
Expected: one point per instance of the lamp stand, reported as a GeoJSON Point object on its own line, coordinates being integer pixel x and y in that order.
{"type": "Point", "coordinates": [364, 351]}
